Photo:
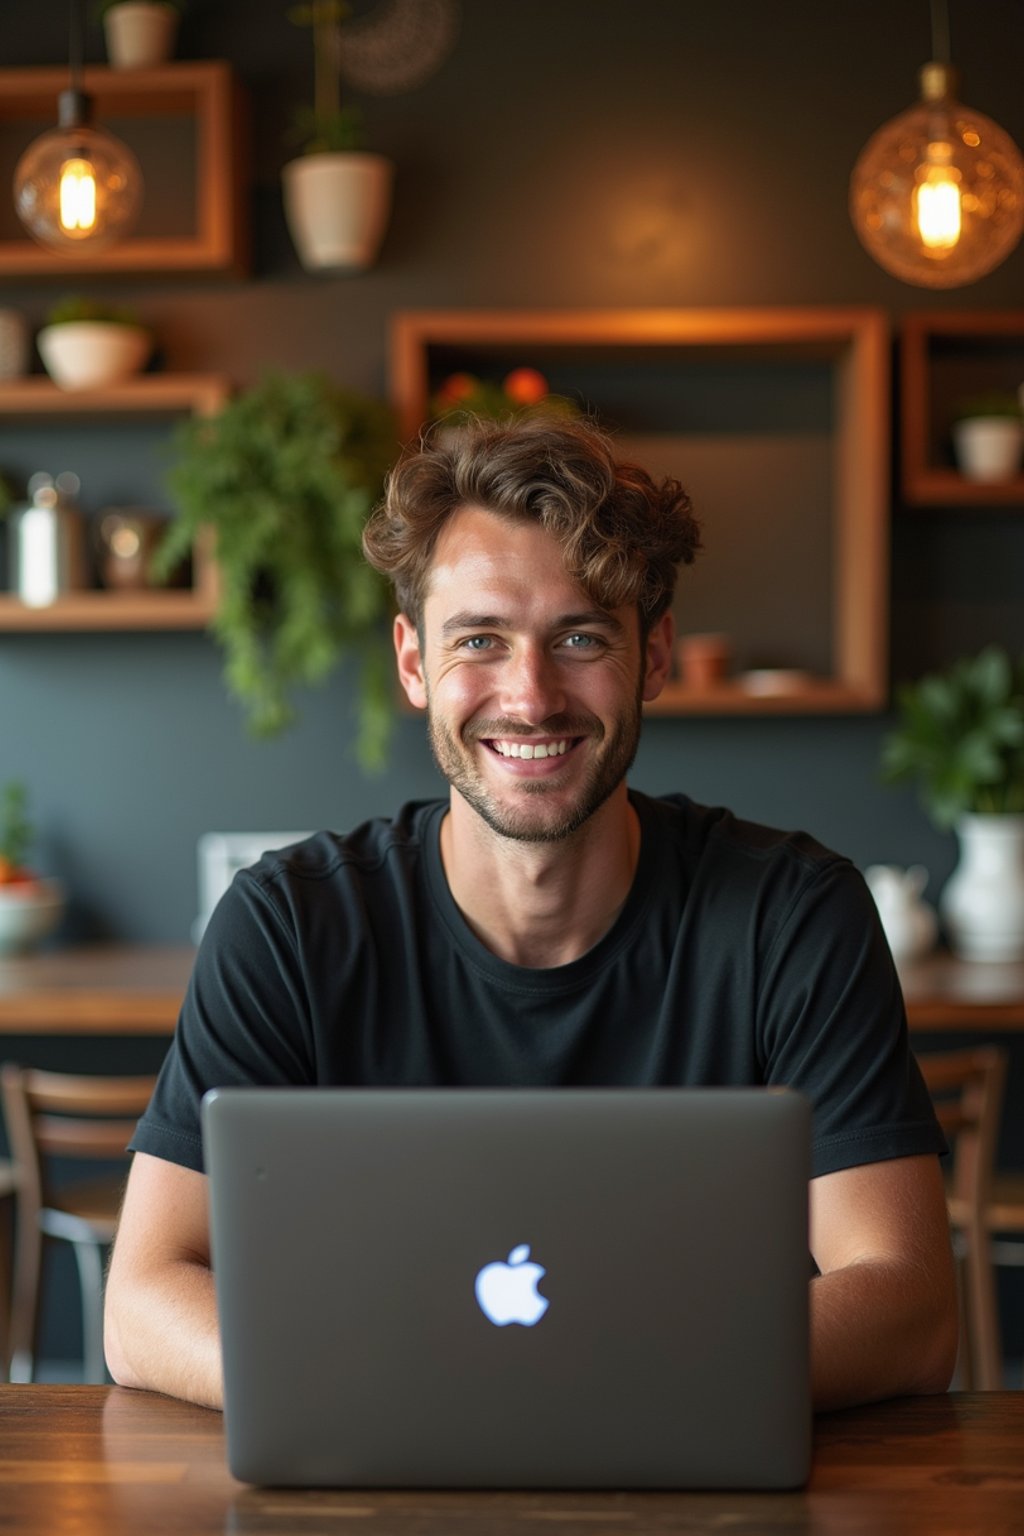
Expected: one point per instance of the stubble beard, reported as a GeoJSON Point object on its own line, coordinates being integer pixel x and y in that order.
{"type": "Point", "coordinates": [532, 821]}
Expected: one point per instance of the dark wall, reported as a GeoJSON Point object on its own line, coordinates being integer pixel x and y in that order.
{"type": "Point", "coordinates": [567, 153]}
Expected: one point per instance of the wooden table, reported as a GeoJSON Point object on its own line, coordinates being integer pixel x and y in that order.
{"type": "Point", "coordinates": [137, 990]}
{"type": "Point", "coordinates": [103, 1460]}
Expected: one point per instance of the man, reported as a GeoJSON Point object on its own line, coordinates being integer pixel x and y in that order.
{"type": "Point", "coordinates": [545, 925]}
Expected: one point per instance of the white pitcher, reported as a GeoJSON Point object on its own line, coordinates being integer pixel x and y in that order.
{"type": "Point", "coordinates": [909, 922]}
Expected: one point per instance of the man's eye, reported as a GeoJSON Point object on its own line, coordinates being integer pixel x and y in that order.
{"type": "Point", "coordinates": [477, 643]}
{"type": "Point", "coordinates": [581, 642]}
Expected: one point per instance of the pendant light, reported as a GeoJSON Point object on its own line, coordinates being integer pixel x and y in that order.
{"type": "Point", "coordinates": [937, 195]}
{"type": "Point", "coordinates": [77, 189]}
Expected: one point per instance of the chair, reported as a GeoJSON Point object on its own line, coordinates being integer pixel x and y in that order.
{"type": "Point", "coordinates": [967, 1091]}
{"type": "Point", "coordinates": [8, 1189]}
{"type": "Point", "coordinates": [53, 1115]}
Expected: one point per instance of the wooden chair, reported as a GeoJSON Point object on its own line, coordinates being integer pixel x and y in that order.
{"type": "Point", "coordinates": [53, 1115]}
{"type": "Point", "coordinates": [8, 1190]}
{"type": "Point", "coordinates": [967, 1091]}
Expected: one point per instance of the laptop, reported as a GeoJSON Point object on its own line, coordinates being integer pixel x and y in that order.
{"type": "Point", "coordinates": [539, 1288]}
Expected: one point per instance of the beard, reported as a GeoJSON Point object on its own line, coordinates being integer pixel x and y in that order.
{"type": "Point", "coordinates": [529, 811]}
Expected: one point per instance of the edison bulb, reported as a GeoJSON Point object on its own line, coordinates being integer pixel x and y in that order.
{"type": "Point", "coordinates": [77, 188]}
{"type": "Point", "coordinates": [937, 195]}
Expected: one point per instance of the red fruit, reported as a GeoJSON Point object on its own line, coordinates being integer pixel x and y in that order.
{"type": "Point", "coordinates": [458, 386]}
{"type": "Point", "coordinates": [525, 386]}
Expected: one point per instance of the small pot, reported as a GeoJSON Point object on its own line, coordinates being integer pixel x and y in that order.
{"type": "Point", "coordinates": [140, 33]}
{"type": "Point", "coordinates": [988, 448]}
{"type": "Point", "coordinates": [337, 208]}
{"type": "Point", "coordinates": [87, 354]}
{"type": "Point", "coordinates": [704, 660]}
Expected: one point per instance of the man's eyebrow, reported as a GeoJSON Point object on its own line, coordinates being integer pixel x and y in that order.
{"type": "Point", "coordinates": [590, 618]}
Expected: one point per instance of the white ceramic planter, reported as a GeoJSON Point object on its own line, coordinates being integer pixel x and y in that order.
{"type": "Point", "coordinates": [337, 208]}
{"type": "Point", "coordinates": [983, 901]}
{"type": "Point", "coordinates": [140, 33]}
{"type": "Point", "coordinates": [86, 354]}
{"type": "Point", "coordinates": [988, 448]}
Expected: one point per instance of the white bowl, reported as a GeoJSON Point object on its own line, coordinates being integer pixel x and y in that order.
{"type": "Point", "coordinates": [29, 911]}
{"type": "Point", "coordinates": [86, 354]}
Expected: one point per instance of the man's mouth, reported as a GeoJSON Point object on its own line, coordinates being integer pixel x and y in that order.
{"type": "Point", "coordinates": [520, 747]}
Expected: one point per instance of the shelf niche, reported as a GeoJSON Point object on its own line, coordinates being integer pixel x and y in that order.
{"type": "Point", "coordinates": [746, 401]}
{"type": "Point", "coordinates": [185, 123]}
{"type": "Point", "coordinates": [946, 358]}
{"type": "Point", "coordinates": [151, 397]}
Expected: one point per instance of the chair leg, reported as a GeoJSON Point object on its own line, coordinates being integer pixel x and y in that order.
{"type": "Point", "coordinates": [28, 1265]}
{"type": "Point", "coordinates": [6, 1282]}
{"type": "Point", "coordinates": [90, 1275]}
{"type": "Point", "coordinates": [983, 1313]}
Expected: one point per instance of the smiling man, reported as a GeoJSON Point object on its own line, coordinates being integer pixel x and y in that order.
{"type": "Point", "coordinates": [546, 925]}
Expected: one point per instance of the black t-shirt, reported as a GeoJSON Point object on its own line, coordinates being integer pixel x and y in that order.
{"type": "Point", "coordinates": [742, 956]}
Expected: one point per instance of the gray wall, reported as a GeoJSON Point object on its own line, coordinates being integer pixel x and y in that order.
{"type": "Point", "coordinates": [568, 153]}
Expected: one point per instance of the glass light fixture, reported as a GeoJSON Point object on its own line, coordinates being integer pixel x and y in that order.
{"type": "Point", "coordinates": [937, 195]}
{"type": "Point", "coordinates": [77, 188]}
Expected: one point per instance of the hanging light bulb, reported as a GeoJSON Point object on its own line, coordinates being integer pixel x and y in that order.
{"type": "Point", "coordinates": [937, 195]}
{"type": "Point", "coordinates": [77, 188]}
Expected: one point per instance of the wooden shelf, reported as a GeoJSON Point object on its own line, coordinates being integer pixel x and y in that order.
{"type": "Point", "coordinates": [150, 396]}
{"type": "Point", "coordinates": [984, 351]}
{"type": "Point", "coordinates": [849, 347]}
{"type": "Point", "coordinates": [202, 104]}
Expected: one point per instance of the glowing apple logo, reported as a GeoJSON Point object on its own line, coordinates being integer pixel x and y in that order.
{"type": "Point", "coordinates": [508, 1293]}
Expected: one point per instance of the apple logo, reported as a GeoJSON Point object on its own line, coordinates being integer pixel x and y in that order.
{"type": "Point", "coordinates": [508, 1293]}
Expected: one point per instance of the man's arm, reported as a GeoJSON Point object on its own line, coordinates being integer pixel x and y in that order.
{"type": "Point", "coordinates": [883, 1309]}
{"type": "Point", "coordinates": [160, 1323]}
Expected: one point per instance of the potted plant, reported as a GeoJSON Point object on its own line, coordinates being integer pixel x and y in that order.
{"type": "Point", "coordinates": [462, 396]}
{"type": "Point", "coordinates": [988, 436]}
{"type": "Point", "coordinates": [337, 196]}
{"type": "Point", "coordinates": [30, 906]}
{"type": "Point", "coordinates": [86, 344]}
{"type": "Point", "coordinates": [961, 737]}
{"type": "Point", "coordinates": [139, 33]}
{"type": "Point", "coordinates": [285, 476]}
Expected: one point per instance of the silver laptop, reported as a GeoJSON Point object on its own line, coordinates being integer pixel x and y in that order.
{"type": "Point", "coordinates": [591, 1288]}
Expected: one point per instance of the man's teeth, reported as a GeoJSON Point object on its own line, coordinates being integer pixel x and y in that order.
{"type": "Point", "coordinates": [531, 748]}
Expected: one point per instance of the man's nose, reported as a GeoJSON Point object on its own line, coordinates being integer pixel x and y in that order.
{"type": "Point", "coordinates": [531, 687]}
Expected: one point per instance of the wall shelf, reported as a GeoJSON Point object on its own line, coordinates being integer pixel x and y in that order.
{"type": "Point", "coordinates": [185, 123]}
{"type": "Point", "coordinates": [148, 397]}
{"type": "Point", "coordinates": [696, 392]}
{"type": "Point", "coordinates": [946, 357]}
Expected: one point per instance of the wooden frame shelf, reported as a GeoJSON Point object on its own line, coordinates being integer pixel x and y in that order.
{"type": "Point", "coordinates": [207, 98]}
{"type": "Point", "coordinates": [981, 343]}
{"type": "Point", "coordinates": [850, 344]}
{"type": "Point", "coordinates": [151, 396]}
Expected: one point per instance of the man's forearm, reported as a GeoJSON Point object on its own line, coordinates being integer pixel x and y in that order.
{"type": "Point", "coordinates": [877, 1331]}
{"type": "Point", "coordinates": [161, 1333]}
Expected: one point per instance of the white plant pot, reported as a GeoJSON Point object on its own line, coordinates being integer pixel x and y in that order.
{"type": "Point", "coordinates": [983, 901]}
{"type": "Point", "coordinates": [337, 208]}
{"type": "Point", "coordinates": [87, 354]}
{"type": "Point", "coordinates": [140, 33]}
{"type": "Point", "coordinates": [988, 448]}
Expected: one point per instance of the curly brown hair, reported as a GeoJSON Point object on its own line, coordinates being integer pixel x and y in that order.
{"type": "Point", "coordinates": [623, 534]}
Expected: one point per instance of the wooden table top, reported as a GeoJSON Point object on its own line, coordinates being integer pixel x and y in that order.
{"type": "Point", "coordinates": [101, 1459]}
{"type": "Point", "coordinates": [137, 990]}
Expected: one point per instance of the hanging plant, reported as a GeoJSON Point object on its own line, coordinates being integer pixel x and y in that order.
{"type": "Point", "coordinates": [285, 476]}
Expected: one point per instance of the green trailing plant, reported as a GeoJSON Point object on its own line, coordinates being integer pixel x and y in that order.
{"type": "Point", "coordinates": [75, 307]}
{"type": "Point", "coordinates": [285, 476]}
{"type": "Point", "coordinates": [961, 737]}
{"type": "Point", "coordinates": [327, 127]}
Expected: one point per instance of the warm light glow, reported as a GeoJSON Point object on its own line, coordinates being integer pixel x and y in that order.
{"type": "Point", "coordinates": [937, 200]}
{"type": "Point", "coordinates": [77, 197]}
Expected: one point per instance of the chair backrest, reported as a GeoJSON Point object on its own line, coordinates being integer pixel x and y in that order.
{"type": "Point", "coordinates": [68, 1116]}
{"type": "Point", "coordinates": [967, 1091]}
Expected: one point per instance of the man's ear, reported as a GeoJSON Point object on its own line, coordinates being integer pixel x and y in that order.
{"type": "Point", "coordinates": [658, 656]}
{"type": "Point", "coordinates": [410, 662]}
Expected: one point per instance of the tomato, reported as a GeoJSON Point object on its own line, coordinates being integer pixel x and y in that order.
{"type": "Point", "coordinates": [525, 386]}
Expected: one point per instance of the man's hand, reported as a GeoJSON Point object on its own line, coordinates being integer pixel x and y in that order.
{"type": "Point", "coordinates": [160, 1324]}
{"type": "Point", "coordinates": [883, 1309]}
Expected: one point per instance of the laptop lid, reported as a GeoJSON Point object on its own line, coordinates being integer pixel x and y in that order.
{"type": "Point", "coordinates": [523, 1288]}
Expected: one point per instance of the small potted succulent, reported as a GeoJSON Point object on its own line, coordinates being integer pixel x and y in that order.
{"type": "Point", "coordinates": [30, 906]}
{"type": "Point", "coordinates": [337, 195]}
{"type": "Point", "coordinates": [86, 344]}
{"type": "Point", "coordinates": [139, 33]}
{"type": "Point", "coordinates": [988, 437]}
{"type": "Point", "coordinates": [960, 736]}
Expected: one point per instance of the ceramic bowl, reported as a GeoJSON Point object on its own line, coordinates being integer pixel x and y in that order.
{"type": "Point", "coordinates": [87, 354]}
{"type": "Point", "coordinates": [29, 911]}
